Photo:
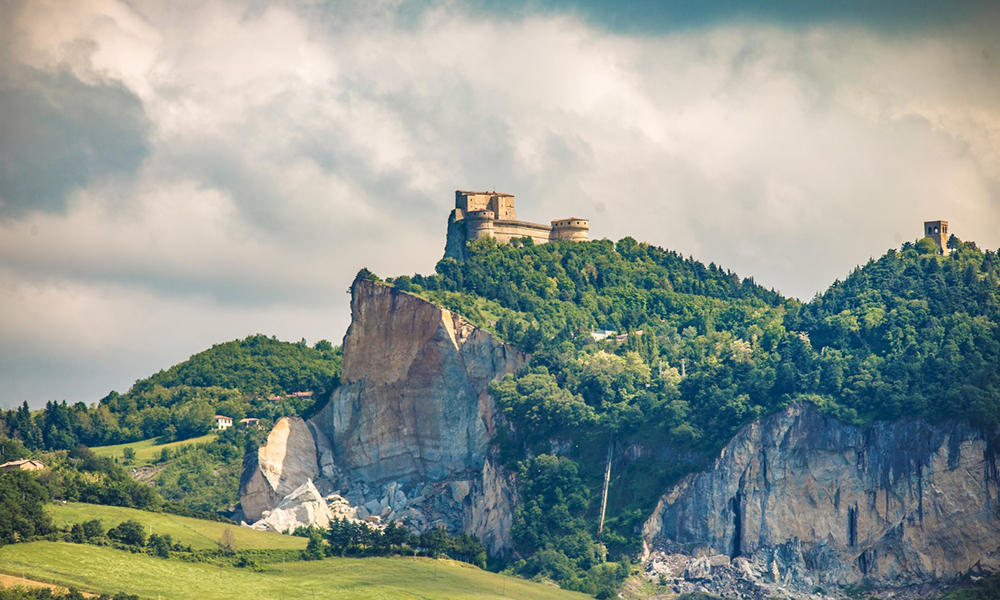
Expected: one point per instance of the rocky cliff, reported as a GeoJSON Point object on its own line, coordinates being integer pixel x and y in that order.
{"type": "Point", "coordinates": [289, 458]}
{"type": "Point", "coordinates": [413, 404]}
{"type": "Point", "coordinates": [406, 436]}
{"type": "Point", "coordinates": [797, 501]}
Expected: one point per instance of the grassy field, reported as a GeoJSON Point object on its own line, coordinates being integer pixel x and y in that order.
{"type": "Point", "coordinates": [197, 533]}
{"type": "Point", "coordinates": [147, 450]}
{"type": "Point", "coordinates": [92, 568]}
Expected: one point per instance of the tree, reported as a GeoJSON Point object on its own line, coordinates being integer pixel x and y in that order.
{"type": "Point", "coordinates": [76, 534]}
{"type": "Point", "coordinates": [339, 536]}
{"type": "Point", "coordinates": [434, 540]}
{"type": "Point", "coordinates": [22, 504]}
{"type": "Point", "coordinates": [129, 532]}
{"type": "Point", "coordinates": [159, 545]}
{"type": "Point", "coordinates": [314, 549]}
{"type": "Point", "coordinates": [228, 540]}
{"type": "Point", "coordinates": [93, 529]}
{"type": "Point", "coordinates": [128, 454]}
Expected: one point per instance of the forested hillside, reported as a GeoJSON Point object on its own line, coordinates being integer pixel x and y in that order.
{"type": "Point", "coordinates": [696, 352]}
{"type": "Point", "coordinates": [642, 359]}
{"type": "Point", "coordinates": [235, 379]}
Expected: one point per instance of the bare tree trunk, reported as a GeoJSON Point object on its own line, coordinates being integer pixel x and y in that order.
{"type": "Point", "coordinates": [607, 481]}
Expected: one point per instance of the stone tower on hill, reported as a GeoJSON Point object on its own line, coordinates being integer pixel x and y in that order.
{"type": "Point", "coordinates": [937, 231]}
{"type": "Point", "coordinates": [491, 214]}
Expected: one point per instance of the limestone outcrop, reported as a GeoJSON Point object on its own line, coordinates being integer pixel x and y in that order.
{"type": "Point", "coordinates": [489, 509]}
{"type": "Point", "coordinates": [303, 507]}
{"type": "Point", "coordinates": [406, 435]}
{"type": "Point", "coordinates": [798, 500]}
{"type": "Point", "coordinates": [413, 404]}
{"type": "Point", "coordinates": [290, 457]}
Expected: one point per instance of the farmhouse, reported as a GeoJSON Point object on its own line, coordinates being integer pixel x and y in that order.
{"type": "Point", "coordinates": [223, 422]}
{"type": "Point", "coordinates": [26, 464]}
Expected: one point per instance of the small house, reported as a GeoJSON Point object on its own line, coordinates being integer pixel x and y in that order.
{"type": "Point", "coordinates": [602, 334]}
{"type": "Point", "coordinates": [25, 464]}
{"type": "Point", "coordinates": [250, 423]}
{"type": "Point", "coordinates": [223, 422]}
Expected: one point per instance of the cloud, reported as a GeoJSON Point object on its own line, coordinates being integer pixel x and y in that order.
{"type": "Point", "coordinates": [77, 341]}
{"type": "Point", "coordinates": [240, 162]}
{"type": "Point", "coordinates": [60, 133]}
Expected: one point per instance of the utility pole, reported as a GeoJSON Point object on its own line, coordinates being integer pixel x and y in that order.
{"type": "Point", "coordinates": [607, 481]}
{"type": "Point", "coordinates": [682, 367]}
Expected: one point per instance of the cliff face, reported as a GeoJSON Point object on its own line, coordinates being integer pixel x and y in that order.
{"type": "Point", "coordinates": [289, 458]}
{"type": "Point", "coordinates": [413, 405]}
{"type": "Point", "coordinates": [406, 436]}
{"type": "Point", "coordinates": [799, 499]}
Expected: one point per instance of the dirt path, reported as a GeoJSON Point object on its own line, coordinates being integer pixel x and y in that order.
{"type": "Point", "coordinates": [12, 581]}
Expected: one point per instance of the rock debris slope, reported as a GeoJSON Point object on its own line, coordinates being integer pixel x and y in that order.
{"type": "Point", "coordinates": [798, 500]}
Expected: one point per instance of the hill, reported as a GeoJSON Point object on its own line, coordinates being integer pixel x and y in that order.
{"type": "Point", "coordinates": [199, 534]}
{"type": "Point", "coordinates": [148, 451]}
{"type": "Point", "coordinates": [105, 569]}
{"type": "Point", "coordinates": [257, 376]}
{"type": "Point", "coordinates": [694, 353]}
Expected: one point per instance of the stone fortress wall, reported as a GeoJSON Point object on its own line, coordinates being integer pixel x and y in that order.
{"type": "Point", "coordinates": [491, 214]}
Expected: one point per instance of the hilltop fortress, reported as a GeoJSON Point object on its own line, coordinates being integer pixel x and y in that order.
{"type": "Point", "coordinates": [491, 214]}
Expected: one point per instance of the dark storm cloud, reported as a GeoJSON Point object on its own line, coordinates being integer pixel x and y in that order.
{"type": "Point", "coordinates": [656, 16]}
{"type": "Point", "coordinates": [60, 133]}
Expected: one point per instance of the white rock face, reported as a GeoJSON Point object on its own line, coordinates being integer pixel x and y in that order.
{"type": "Point", "coordinates": [303, 507]}
{"type": "Point", "coordinates": [285, 462]}
{"type": "Point", "coordinates": [809, 501]}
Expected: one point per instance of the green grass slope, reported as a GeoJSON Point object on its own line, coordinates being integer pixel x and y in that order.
{"type": "Point", "coordinates": [105, 570]}
{"type": "Point", "coordinates": [197, 533]}
{"type": "Point", "coordinates": [148, 450]}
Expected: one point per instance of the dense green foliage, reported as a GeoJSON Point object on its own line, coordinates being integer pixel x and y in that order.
{"type": "Point", "coordinates": [550, 529]}
{"type": "Point", "coordinates": [912, 334]}
{"type": "Point", "coordinates": [350, 538]}
{"type": "Point", "coordinates": [22, 504]}
{"type": "Point", "coordinates": [698, 353]}
{"type": "Point", "coordinates": [256, 365]}
{"type": "Point", "coordinates": [234, 379]}
{"type": "Point", "coordinates": [81, 476]}
{"type": "Point", "coordinates": [206, 477]}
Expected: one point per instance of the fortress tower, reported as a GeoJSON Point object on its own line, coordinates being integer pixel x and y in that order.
{"type": "Point", "coordinates": [937, 231]}
{"type": "Point", "coordinates": [572, 229]}
{"type": "Point", "coordinates": [491, 214]}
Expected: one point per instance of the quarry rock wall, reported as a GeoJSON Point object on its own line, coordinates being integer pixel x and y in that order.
{"type": "Point", "coordinates": [801, 500]}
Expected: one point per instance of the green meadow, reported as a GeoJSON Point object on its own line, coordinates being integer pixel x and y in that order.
{"type": "Point", "coordinates": [147, 450]}
{"type": "Point", "coordinates": [101, 569]}
{"type": "Point", "coordinates": [197, 533]}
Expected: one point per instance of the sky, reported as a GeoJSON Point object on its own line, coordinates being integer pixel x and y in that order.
{"type": "Point", "coordinates": [179, 174]}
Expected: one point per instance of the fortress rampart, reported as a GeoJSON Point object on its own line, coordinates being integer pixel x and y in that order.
{"type": "Point", "coordinates": [491, 214]}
